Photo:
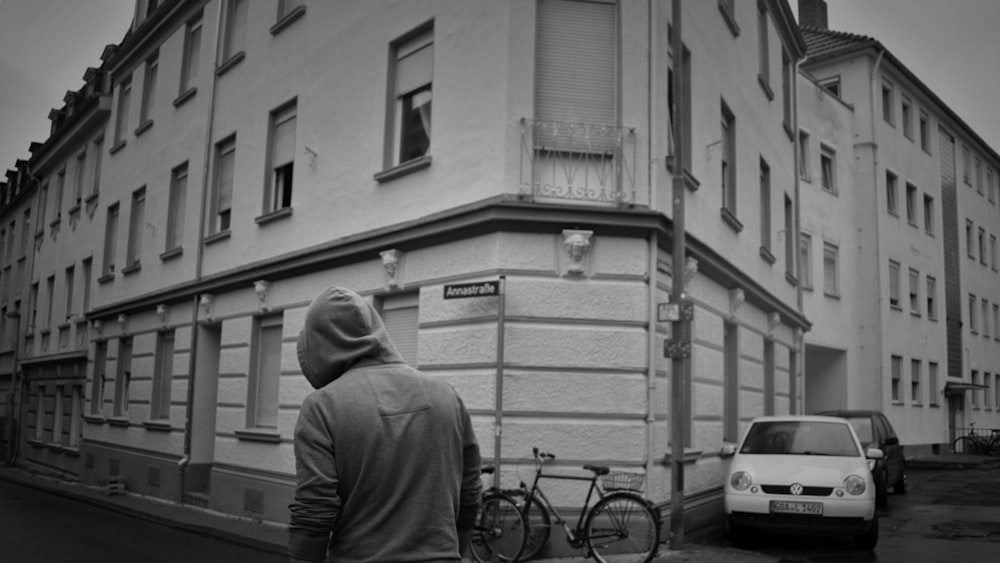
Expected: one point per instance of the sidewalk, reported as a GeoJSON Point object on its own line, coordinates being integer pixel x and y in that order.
{"type": "Point", "coordinates": [272, 537]}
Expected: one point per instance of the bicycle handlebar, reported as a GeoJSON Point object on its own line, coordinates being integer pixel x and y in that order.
{"type": "Point", "coordinates": [539, 455]}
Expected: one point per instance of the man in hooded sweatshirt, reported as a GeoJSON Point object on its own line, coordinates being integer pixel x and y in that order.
{"type": "Point", "coordinates": [386, 458]}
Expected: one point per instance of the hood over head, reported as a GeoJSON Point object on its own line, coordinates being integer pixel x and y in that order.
{"type": "Point", "coordinates": [340, 330]}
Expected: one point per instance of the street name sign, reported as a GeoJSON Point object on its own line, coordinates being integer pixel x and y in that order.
{"type": "Point", "coordinates": [476, 289]}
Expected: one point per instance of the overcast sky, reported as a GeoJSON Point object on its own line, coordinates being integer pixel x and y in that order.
{"type": "Point", "coordinates": [46, 45]}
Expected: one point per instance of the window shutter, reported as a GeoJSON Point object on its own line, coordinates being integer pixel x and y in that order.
{"type": "Point", "coordinates": [575, 76]}
{"type": "Point", "coordinates": [415, 64]}
{"type": "Point", "coordinates": [401, 318]}
{"type": "Point", "coordinates": [268, 376]}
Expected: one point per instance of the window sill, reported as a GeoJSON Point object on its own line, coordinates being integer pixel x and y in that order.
{"type": "Point", "coordinates": [35, 443]}
{"type": "Point", "coordinates": [728, 17]}
{"type": "Point", "coordinates": [117, 146]}
{"type": "Point", "coordinates": [895, 307]}
{"type": "Point", "coordinates": [766, 87]}
{"type": "Point", "coordinates": [54, 224]}
{"type": "Point", "coordinates": [92, 197]}
{"type": "Point", "coordinates": [286, 21]}
{"type": "Point", "coordinates": [75, 210]}
{"type": "Point", "coordinates": [790, 278]}
{"type": "Point", "coordinates": [690, 181]}
{"type": "Point", "coordinates": [831, 191]}
{"type": "Point", "coordinates": [691, 455]}
{"type": "Point", "coordinates": [157, 425]}
{"type": "Point", "coordinates": [185, 96]}
{"type": "Point", "coordinates": [105, 278]}
{"type": "Point", "coordinates": [934, 406]}
{"type": "Point", "coordinates": [143, 127]}
{"type": "Point", "coordinates": [403, 169]}
{"type": "Point", "coordinates": [807, 288]}
{"type": "Point", "coordinates": [765, 253]}
{"type": "Point", "coordinates": [898, 403]}
{"type": "Point", "coordinates": [216, 237]}
{"type": "Point", "coordinates": [273, 216]}
{"type": "Point", "coordinates": [915, 314]}
{"type": "Point", "coordinates": [831, 295]}
{"type": "Point", "coordinates": [729, 218]}
{"type": "Point", "coordinates": [788, 131]}
{"type": "Point", "coordinates": [231, 62]}
{"type": "Point", "coordinates": [131, 268]}
{"type": "Point", "coordinates": [45, 331]}
{"type": "Point", "coordinates": [94, 419]}
{"type": "Point", "coordinates": [172, 253]}
{"type": "Point", "coordinates": [257, 435]}
{"type": "Point", "coordinates": [118, 421]}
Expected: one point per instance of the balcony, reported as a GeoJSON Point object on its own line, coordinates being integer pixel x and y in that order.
{"type": "Point", "coordinates": [585, 163]}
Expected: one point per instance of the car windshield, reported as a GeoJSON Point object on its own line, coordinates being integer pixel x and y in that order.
{"type": "Point", "coordinates": [800, 437]}
{"type": "Point", "coordinates": [863, 427]}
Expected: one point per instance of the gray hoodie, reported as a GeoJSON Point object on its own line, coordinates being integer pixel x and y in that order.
{"type": "Point", "coordinates": [386, 459]}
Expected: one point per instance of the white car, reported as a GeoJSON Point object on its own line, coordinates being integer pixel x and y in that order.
{"type": "Point", "coordinates": [801, 475]}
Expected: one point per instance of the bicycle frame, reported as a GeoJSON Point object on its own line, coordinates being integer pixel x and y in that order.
{"type": "Point", "coordinates": [575, 535]}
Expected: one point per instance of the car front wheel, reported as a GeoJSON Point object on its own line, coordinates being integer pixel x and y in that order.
{"type": "Point", "coordinates": [868, 540]}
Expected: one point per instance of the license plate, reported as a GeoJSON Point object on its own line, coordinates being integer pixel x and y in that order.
{"type": "Point", "coordinates": [782, 507]}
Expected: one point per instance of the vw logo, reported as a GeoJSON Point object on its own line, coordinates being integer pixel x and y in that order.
{"type": "Point", "coordinates": [796, 489]}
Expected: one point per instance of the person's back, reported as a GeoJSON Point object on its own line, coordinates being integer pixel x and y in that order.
{"type": "Point", "coordinates": [388, 465]}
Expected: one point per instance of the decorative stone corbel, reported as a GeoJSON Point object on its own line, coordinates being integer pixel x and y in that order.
{"type": "Point", "coordinates": [162, 312]}
{"type": "Point", "coordinates": [690, 269]}
{"type": "Point", "coordinates": [263, 289]}
{"type": "Point", "coordinates": [206, 301]}
{"type": "Point", "coordinates": [577, 245]}
{"type": "Point", "coordinates": [736, 299]}
{"type": "Point", "coordinates": [392, 261]}
{"type": "Point", "coordinates": [98, 326]}
{"type": "Point", "coordinates": [798, 338]}
{"type": "Point", "coordinates": [123, 322]}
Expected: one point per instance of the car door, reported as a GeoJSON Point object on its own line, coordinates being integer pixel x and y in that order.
{"type": "Point", "coordinates": [889, 443]}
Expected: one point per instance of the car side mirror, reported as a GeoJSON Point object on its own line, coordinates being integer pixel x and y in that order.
{"type": "Point", "coordinates": [892, 441]}
{"type": "Point", "coordinates": [728, 450]}
{"type": "Point", "coordinates": [874, 453]}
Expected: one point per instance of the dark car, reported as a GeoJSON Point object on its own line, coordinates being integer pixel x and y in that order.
{"type": "Point", "coordinates": [875, 431]}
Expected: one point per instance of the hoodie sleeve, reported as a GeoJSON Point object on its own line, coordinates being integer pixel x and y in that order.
{"type": "Point", "coordinates": [472, 484]}
{"type": "Point", "coordinates": [316, 504]}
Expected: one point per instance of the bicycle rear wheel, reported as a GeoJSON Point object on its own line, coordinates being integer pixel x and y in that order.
{"type": "Point", "coordinates": [965, 445]}
{"type": "Point", "coordinates": [622, 527]}
{"type": "Point", "coordinates": [500, 530]}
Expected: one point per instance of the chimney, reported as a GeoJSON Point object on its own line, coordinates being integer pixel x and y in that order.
{"type": "Point", "coordinates": [812, 13]}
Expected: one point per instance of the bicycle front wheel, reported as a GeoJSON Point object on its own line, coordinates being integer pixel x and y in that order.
{"type": "Point", "coordinates": [500, 530]}
{"type": "Point", "coordinates": [622, 527]}
{"type": "Point", "coordinates": [539, 528]}
{"type": "Point", "coordinates": [964, 445]}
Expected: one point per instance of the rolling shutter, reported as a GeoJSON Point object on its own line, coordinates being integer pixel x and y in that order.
{"type": "Point", "coordinates": [401, 317]}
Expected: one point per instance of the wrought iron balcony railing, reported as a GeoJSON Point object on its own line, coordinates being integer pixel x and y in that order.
{"type": "Point", "coordinates": [582, 162]}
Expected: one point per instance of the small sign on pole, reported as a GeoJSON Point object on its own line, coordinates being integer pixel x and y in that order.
{"type": "Point", "coordinates": [475, 289]}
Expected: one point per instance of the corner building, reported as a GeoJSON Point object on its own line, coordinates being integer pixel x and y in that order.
{"type": "Point", "coordinates": [257, 153]}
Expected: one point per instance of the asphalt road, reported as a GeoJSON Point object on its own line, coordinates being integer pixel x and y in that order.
{"type": "Point", "coordinates": [945, 516]}
{"type": "Point", "coordinates": [40, 527]}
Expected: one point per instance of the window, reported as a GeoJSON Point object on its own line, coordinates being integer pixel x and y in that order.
{"type": "Point", "coordinates": [804, 171]}
{"type": "Point", "coordinates": [88, 270]}
{"type": "Point", "coordinates": [894, 284]}
{"type": "Point", "coordinates": [907, 118]}
{"type": "Point", "coordinates": [278, 190]}
{"type": "Point", "coordinates": [728, 159]}
{"type": "Point", "coordinates": [831, 285]}
{"type": "Point", "coordinates": [731, 382]}
{"type": "Point", "coordinates": [43, 204]}
{"type": "Point", "coordinates": [931, 298]}
{"type": "Point", "coordinates": [827, 160]}
{"type": "Point", "coordinates": [974, 396]}
{"type": "Point", "coordinates": [972, 314]}
{"type": "Point", "coordinates": [60, 193]}
{"type": "Point", "coordinates": [805, 261]}
{"type": "Point", "coordinates": [966, 165]}
{"type": "Point", "coordinates": [684, 120]}
{"type": "Point", "coordinates": [925, 133]}
{"type": "Point", "coordinates": [137, 222]}
{"type": "Point", "coordinates": [996, 389]}
{"type": "Point", "coordinates": [911, 204]}
{"type": "Point", "coordinates": [768, 377]}
{"type": "Point", "coordinates": [33, 308]}
{"type": "Point", "coordinates": [888, 104]}
{"type": "Point", "coordinates": [891, 193]}
{"type": "Point", "coordinates": [400, 314]}
{"type": "Point", "coordinates": [996, 321]}
{"type": "Point", "coordinates": [990, 188]}
{"type": "Point", "coordinates": [915, 394]}
{"type": "Point", "coordinates": [787, 76]}
{"type": "Point", "coordinates": [265, 373]}
{"type": "Point", "coordinates": [765, 207]}
{"type": "Point", "coordinates": [932, 382]}
{"type": "Point", "coordinates": [929, 214]}
{"type": "Point", "coordinates": [98, 155]}
{"type": "Point", "coordinates": [70, 283]}
{"type": "Point", "coordinates": [50, 296]}
{"type": "Point", "coordinates": [80, 178]}
{"type": "Point", "coordinates": [789, 239]}
{"type": "Point", "coordinates": [763, 51]}
{"type": "Point", "coordinates": [110, 241]}
{"type": "Point", "coordinates": [986, 318]}
{"type": "Point", "coordinates": [831, 85]}
{"type": "Point", "coordinates": [979, 175]}
{"type": "Point", "coordinates": [914, 292]}
{"type": "Point", "coordinates": [993, 252]}
{"type": "Point", "coordinates": [192, 52]}
{"type": "Point", "coordinates": [982, 246]}
{"type": "Point", "coordinates": [235, 30]}
{"type": "Point", "coordinates": [222, 193]}
{"type": "Point", "coordinates": [124, 98]}
{"type": "Point", "coordinates": [123, 377]}
{"type": "Point", "coordinates": [970, 243]}
{"type": "Point", "coordinates": [149, 90]}
{"type": "Point", "coordinates": [410, 113]}
{"type": "Point", "coordinates": [897, 369]}
{"type": "Point", "coordinates": [176, 209]}
{"type": "Point", "coordinates": [163, 375]}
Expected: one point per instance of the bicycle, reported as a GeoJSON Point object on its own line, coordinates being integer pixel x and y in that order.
{"type": "Point", "coordinates": [501, 528]}
{"type": "Point", "coordinates": [977, 443]}
{"type": "Point", "coordinates": [622, 526]}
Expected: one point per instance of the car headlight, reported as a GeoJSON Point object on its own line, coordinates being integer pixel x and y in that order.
{"type": "Point", "coordinates": [854, 485]}
{"type": "Point", "coordinates": [740, 480]}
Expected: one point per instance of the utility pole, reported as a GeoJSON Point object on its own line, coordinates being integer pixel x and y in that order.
{"type": "Point", "coordinates": [678, 348]}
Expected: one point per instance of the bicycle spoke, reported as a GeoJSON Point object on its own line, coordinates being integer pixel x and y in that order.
{"type": "Point", "coordinates": [622, 528]}
{"type": "Point", "coordinates": [500, 531]}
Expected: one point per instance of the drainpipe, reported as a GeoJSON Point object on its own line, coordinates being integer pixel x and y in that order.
{"type": "Point", "coordinates": [182, 464]}
{"type": "Point", "coordinates": [797, 241]}
{"type": "Point", "coordinates": [878, 240]}
{"type": "Point", "coordinates": [653, 253]}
